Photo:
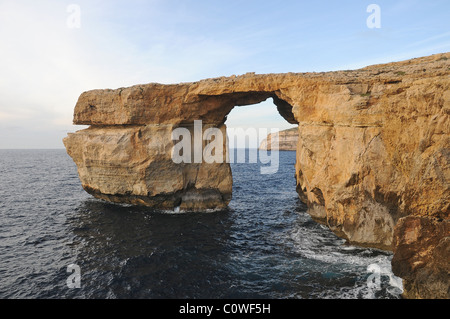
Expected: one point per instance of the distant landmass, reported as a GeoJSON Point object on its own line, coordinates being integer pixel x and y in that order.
{"type": "Point", "coordinates": [287, 141]}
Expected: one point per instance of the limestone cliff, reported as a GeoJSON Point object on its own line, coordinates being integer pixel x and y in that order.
{"type": "Point", "coordinates": [372, 154]}
{"type": "Point", "coordinates": [286, 140]}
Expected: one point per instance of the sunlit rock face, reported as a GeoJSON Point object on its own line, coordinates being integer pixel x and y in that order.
{"type": "Point", "coordinates": [372, 151]}
{"type": "Point", "coordinates": [286, 140]}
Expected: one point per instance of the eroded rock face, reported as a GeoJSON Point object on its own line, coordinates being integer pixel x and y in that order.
{"type": "Point", "coordinates": [286, 140]}
{"type": "Point", "coordinates": [133, 164]}
{"type": "Point", "coordinates": [373, 148]}
{"type": "Point", "coordinates": [422, 251]}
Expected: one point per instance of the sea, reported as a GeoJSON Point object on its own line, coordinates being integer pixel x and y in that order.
{"type": "Point", "coordinates": [58, 242]}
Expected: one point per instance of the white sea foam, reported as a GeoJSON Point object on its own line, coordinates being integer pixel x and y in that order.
{"type": "Point", "coordinates": [319, 244]}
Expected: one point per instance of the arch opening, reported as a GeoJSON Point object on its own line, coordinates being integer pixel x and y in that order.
{"type": "Point", "coordinates": [247, 128]}
{"type": "Point", "coordinates": [235, 101]}
{"type": "Point", "coordinates": [259, 119]}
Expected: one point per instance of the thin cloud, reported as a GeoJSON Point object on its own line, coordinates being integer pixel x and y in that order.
{"type": "Point", "coordinates": [430, 39]}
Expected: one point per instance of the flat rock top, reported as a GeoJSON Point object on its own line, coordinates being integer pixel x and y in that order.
{"type": "Point", "coordinates": [433, 65]}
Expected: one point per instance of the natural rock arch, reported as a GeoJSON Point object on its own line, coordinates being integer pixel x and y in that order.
{"type": "Point", "coordinates": [372, 153]}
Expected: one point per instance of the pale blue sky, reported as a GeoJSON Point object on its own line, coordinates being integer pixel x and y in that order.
{"type": "Point", "coordinates": [45, 65]}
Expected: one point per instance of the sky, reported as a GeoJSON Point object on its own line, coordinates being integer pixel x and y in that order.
{"type": "Point", "coordinates": [52, 51]}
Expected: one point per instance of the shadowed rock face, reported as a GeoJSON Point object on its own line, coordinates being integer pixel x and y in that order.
{"type": "Point", "coordinates": [372, 153]}
{"type": "Point", "coordinates": [421, 256]}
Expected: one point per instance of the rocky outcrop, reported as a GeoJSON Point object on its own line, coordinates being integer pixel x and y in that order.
{"type": "Point", "coordinates": [133, 164]}
{"type": "Point", "coordinates": [372, 154]}
{"type": "Point", "coordinates": [286, 140]}
{"type": "Point", "coordinates": [421, 256]}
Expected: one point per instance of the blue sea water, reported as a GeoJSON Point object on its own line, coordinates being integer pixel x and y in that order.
{"type": "Point", "coordinates": [264, 245]}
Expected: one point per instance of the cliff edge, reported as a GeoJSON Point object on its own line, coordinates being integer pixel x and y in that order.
{"type": "Point", "coordinates": [286, 140]}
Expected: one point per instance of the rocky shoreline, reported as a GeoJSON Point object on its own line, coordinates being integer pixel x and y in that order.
{"type": "Point", "coordinates": [373, 158]}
